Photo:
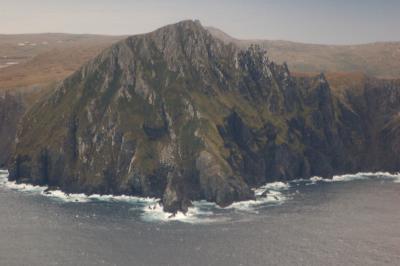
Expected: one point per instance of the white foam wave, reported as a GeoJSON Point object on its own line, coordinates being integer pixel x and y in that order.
{"type": "Point", "coordinates": [123, 198]}
{"type": "Point", "coordinates": [277, 192]}
{"type": "Point", "coordinates": [80, 197]}
{"type": "Point", "coordinates": [269, 194]}
{"type": "Point", "coordinates": [269, 198]}
{"type": "Point", "coordinates": [359, 176]}
{"type": "Point", "coordinates": [315, 179]}
{"type": "Point", "coordinates": [4, 182]}
{"type": "Point", "coordinates": [194, 215]}
{"type": "Point", "coordinates": [69, 197]}
{"type": "Point", "coordinates": [65, 197]}
{"type": "Point", "coordinates": [274, 186]}
{"type": "Point", "coordinates": [152, 210]}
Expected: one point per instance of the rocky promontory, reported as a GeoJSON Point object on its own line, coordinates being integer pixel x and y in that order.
{"type": "Point", "coordinates": [180, 115]}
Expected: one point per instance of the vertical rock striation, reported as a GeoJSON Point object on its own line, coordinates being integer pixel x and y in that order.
{"type": "Point", "coordinates": [179, 115]}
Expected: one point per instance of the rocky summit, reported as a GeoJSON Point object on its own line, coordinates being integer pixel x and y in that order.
{"type": "Point", "coordinates": [180, 115]}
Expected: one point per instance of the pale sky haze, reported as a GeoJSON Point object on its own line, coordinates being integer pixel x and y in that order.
{"type": "Point", "coordinates": [310, 21]}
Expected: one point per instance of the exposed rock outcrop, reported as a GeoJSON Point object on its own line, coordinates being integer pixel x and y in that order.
{"type": "Point", "coordinates": [11, 111]}
{"type": "Point", "coordinates": [179, 115]}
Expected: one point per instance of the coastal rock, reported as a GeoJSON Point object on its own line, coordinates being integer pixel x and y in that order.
{"type": "Point", "coordinates": [179, 115]}
{"type": "Point", "coordinates": [11, 110]}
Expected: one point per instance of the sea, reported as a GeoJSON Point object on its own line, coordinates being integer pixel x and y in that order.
{"type": "Point", "coordinates": [346, 220]}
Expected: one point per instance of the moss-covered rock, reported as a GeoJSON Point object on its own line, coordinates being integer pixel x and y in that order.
{"type": "Point", "coordinates": [177, 114]}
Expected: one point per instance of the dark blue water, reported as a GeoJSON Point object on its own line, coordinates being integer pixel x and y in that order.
{"type": "Point", "coordinates": [341, 223]}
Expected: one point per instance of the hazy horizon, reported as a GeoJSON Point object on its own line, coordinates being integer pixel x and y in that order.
{"type": "Point", "coordinates": [311, 21]}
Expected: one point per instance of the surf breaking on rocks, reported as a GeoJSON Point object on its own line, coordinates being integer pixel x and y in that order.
{"type": "Point", "coordinates": [270, 194]}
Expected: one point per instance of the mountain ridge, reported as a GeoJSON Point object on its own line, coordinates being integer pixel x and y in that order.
{"type": "Point", "coordinates": [374, 59]}
{"type": "Point", "coordinates": [222, 34]}
{"type": "Point", "coordinates": [177, 114]}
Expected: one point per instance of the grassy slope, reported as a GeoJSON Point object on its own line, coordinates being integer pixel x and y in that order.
{"type": "Point", "coordinates": [45, 59]}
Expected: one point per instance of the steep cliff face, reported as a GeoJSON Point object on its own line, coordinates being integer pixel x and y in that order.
{"type": "Point", "coordinates": [378, 109]}
{"type": "Point", "coordinates": [11, 111]}
{"type": "Point", "coordinates": [179, 115]}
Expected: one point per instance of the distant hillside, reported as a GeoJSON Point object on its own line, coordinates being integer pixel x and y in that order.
{"type": "Point", "coordinates": [30, 61]}
{"type": "Point", "coordinates": [376, 59]}
{"type": "Point", "coordinates": [19, 48]}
